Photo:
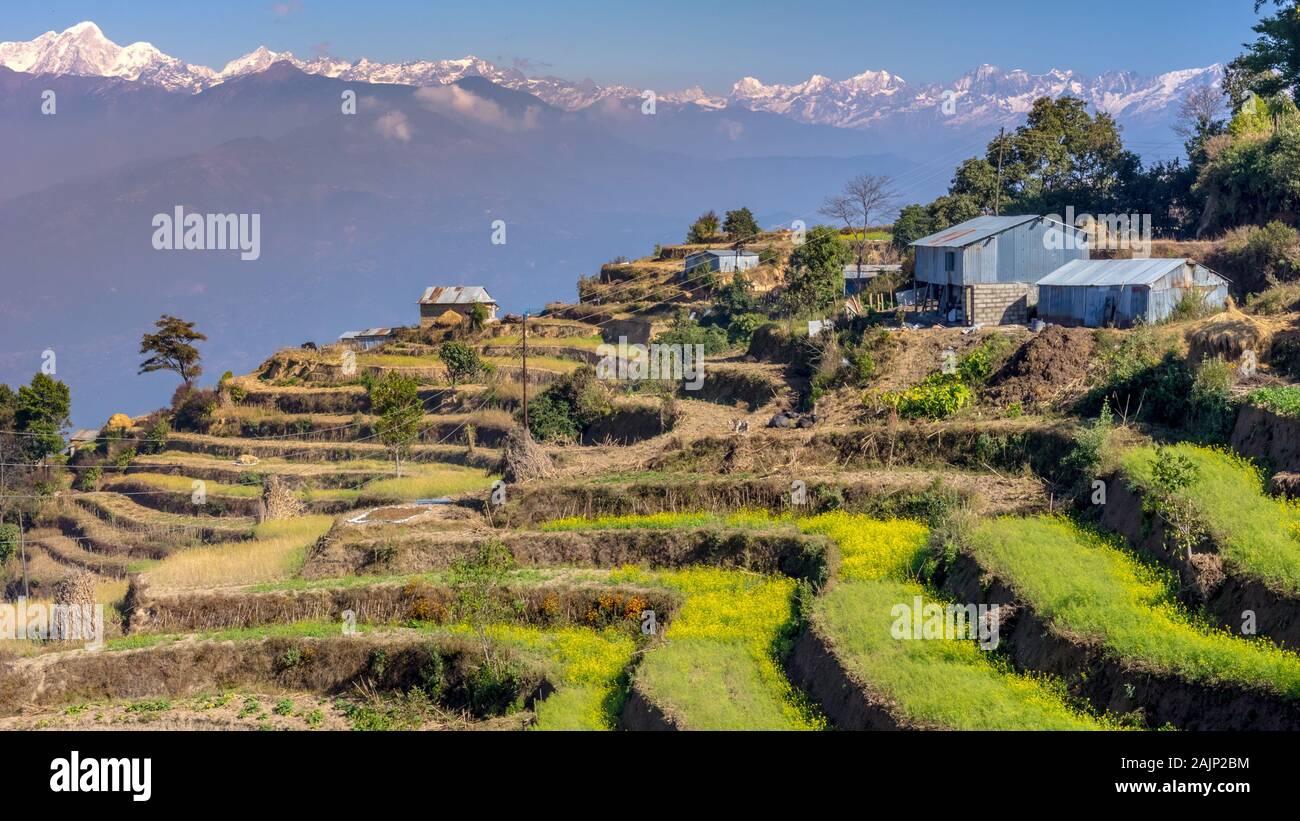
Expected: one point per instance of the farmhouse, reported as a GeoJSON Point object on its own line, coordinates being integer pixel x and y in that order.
{"type": "Point", "coordinates": [1122, 292]}
{"type": "Point", "coordinates": [984, 270]}
{"type": "Point", "coordinates": [458, 300]}
{"type": "Point", "coordinates": [725, 261]}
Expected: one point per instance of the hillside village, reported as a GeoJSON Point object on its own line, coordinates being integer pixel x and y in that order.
{"type": "Point", "coordinates": [964, 465]}
{"type": "Point", "coordinates": [661, 557]}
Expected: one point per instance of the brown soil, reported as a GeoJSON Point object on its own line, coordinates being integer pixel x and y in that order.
{"type": "Point", "coordinates": [1052, 366]}
{"type": "Point", "coordinates": [920, 352]}
{"type": "Point", "coordinates": [850, 705]}
{"type": "Point", "coordinates": [1270, 437]}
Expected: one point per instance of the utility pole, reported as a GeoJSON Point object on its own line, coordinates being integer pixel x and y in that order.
{"type": "Point", "coordinates": [997, 193]}
{"type": "Point", "coordinates": [22, 547]}
{"type": "Point", "coordinates": [525, 370]}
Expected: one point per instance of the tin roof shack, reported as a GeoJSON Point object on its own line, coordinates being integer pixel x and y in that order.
{"type": "Point", "coordinates": [983, 270]}
{"type": "Point", "coordinates": [722, 260]}
{"type": "Point", "coordinates": [457, 300]}
{"type": "Point", "coordinates": [856, 278]}
{"type": "Point", "coordinates": [1122, 292]}
{"type": "Point", "coordinates": [368, 338]}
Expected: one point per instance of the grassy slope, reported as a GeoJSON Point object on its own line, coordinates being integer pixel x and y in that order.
{"type": "Point", "coordinates": [947, 683]}
{"type": "Point", "coordinates": [276, 551]}
{"type": "Point", "coordinates": [1259, 535]}
{"type": "Point", "coordinates": [719, 666]}
{"type": "Point", "coordinates": [1087, 586]}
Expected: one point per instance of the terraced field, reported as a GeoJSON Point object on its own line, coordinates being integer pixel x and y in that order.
{"type": "Point", "coordinates": [874, 575]}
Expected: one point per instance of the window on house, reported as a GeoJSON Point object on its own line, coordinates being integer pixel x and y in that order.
{"type": "Point", "coordinates": [950, 261]}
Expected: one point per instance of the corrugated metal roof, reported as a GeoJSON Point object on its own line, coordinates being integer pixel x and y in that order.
{"type": "Point", "coordinates": [875, 269]}
{"type": "Point", "coordinates": [368, 332]}
{"type": "Point", "coordinates": [1112, 271]}
{"type": "Point", "coordinates": [973, 230]}
{"type": "Point", "coordinates": [724, 252]}
{"type": "Point", "coordinates": [455, 295]}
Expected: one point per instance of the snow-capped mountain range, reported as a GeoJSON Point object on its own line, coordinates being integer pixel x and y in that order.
{"type": "Point", "coordinates": [987, 94]}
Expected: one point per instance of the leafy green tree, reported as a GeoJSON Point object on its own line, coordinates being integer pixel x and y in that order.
{"type": "Point", "coordinates": [740, 225]}
{"type": "Point", "coordinates": [478, 317]}
{"type": "Point", "coordinates": [42, 413]}
{"type": "Point", "coordinates": [396, 399]}
{"type": "Point", "coordinates": [736, 298]}
{"type": "Point", "coordinates": [171, 348]}
{"type": "Point", "coordinates": [913, 222]}
{"type": "Point", "coordinates": [461, 361]}
{"type": "Point", "coordinates": [704, 229]}
{"type": "Point", "coordinates": [815, 279]}
{"type": "Point", "coordinates": [1271, 64]}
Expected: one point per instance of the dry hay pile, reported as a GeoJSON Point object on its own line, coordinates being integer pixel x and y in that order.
{"type": "Point", "coordinates": [522, 459]}
{"type": "Point", "coordinates": [1229, 334]}
{"type": "Point", "coordinates": [279, 501]}
{"type": "Point", "coordinates": [75, 591]}
{"type": "Point", "coordinates": [1052, 365]}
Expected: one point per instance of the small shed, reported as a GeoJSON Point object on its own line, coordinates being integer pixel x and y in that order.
{"type": "Point", "coordinates": [1122, 292]}
{"type": "Point", "coordinates": [368, 338]}
{"type": "Point", "coordinates": [856, 278]}
{"type": "Point", "coordinates": [723, 260]}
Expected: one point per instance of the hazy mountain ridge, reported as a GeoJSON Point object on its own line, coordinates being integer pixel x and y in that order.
{"type": "Point", "coordinates": [868, 100]}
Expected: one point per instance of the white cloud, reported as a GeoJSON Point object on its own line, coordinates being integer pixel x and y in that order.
{"type": "Point", "coordinates": [394, 126]}
{"type": "Point", "coordinates": [456, 100]}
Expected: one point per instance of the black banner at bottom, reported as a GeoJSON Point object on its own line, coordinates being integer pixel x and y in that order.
{"type": "Point", "coordinates": [172, 770]}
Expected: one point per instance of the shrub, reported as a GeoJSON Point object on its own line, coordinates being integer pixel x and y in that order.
{"type": "Point", "coordinates": [1254, 257]}
{"type": "Point", "coordinates": [686, 331]}
{"type": "Point", "coordinates": [567, 408]}
{"type": "Point", "coordinates": [192, 408]}
{"type": "Point", "coordinates": [89, 479]}
{"type": "Point", "coordinates": [461, 360]}
{"type": "Point", "coordinates": [741, 329]}
{"type": "Point", "coordinates": [1283, 400]}
{"type": "Point", "coordinates": [938, 397]}
{"type": "Point", "coordinates": [9, 536]}
{"type": "Point", "coordinates": [155, 437]}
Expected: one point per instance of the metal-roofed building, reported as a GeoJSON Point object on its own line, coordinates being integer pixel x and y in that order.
{"type": "Point", "coordinates": [857, 277]}
{"type": "Point", "coordinates": [723, 260]}
{"type": "Point", "coordinates": [983, 270]}
{"type": "Point", "coordinates": [437, 301]}
{"type": "Point", "coordinates": [1122, 292]}
{"type": "Point", "coordinates": [368, 338]}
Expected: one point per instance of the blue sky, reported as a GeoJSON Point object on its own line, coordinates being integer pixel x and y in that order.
{"type": "Point", "coordinates": [668, 44]}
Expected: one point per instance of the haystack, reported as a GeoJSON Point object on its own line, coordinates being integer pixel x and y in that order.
{"type": "Point", "coordinates": [279, 501]}
{"type": "Point", "coordinates": [522, 459]}
{"type": "Point", "coordinates": [1228, 334]}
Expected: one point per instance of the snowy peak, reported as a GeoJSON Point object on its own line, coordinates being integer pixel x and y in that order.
{"type": "Point", "coordinates": [84, 50]}
{"type": "Point", "coordinates": [982, 96]}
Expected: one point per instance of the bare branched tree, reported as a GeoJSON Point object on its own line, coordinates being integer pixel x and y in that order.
{"type": "Point", "coordinates": [865, 198]}
{"type": "Point", "coordinates": [1198, 111]}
